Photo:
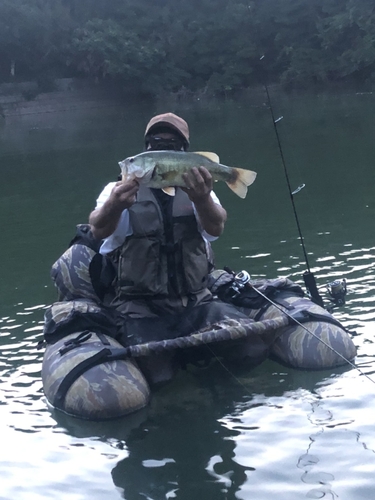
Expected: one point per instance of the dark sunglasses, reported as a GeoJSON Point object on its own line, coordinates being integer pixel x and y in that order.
{"type": "Point", "coordinates": [160, 144]}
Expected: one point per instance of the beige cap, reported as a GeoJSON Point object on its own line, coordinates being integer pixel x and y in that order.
{"type": "Point", "coordinates": [170, 120]}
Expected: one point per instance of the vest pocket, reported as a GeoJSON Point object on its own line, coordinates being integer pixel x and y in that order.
{"type": "Point", "coordinates": [194, 264]}
{"type": "Point", "coordinates": [142, 272]}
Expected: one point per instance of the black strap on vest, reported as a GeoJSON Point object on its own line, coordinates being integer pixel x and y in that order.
{"type": "Point", "coordinates": [166, 206]}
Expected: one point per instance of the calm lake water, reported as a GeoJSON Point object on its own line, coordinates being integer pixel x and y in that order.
{"type": "Point", "coordinates": [211, 433]}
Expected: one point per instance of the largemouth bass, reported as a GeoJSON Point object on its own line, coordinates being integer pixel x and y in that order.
{"type": "Point", "coordinates": [164, 169]}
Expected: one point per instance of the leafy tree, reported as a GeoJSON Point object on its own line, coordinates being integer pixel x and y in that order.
{"type": "Point", "coordinates": [103, 48]}
{"type": "Point", "coordinates": [348, 38]}
{"type": "Point", "coordinates": [32, 34]}
{"type": "Point", "coordinates": [169, 45]}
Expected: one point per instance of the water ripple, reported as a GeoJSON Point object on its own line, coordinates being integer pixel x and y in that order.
{"type": "Point", "coordinates": [274, 431]}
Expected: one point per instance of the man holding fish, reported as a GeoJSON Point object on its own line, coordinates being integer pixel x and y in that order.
{"type": "Point", "coordinates": [156, 224]}
{"type": "Point", "coordinates": [163, 131]}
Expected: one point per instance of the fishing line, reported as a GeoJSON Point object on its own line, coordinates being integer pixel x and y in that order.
{"type": "Point", "coordinates": [312, 333]}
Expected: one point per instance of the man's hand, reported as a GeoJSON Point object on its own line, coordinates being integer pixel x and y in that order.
{"type": "Point", "coordinates": [199, 184]}
{"type": "Point", "coordinates": [124, 194]}
{"type": "Point", "coordinates": [198, 187]}
{"type": "Point", "coordinates": [104, 220]}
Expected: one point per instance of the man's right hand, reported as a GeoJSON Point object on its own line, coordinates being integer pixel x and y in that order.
{"type": "Point", "coordinates": [104, 220]}
{"type": "Point", "coordinates": [124, 194]}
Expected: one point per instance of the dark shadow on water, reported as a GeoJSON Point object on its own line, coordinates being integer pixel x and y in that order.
{"type": "Point", "coordinates": [178, 447]}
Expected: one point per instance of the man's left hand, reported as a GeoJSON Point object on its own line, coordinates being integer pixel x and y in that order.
{"type": "Point", "coordinates": [199, 184]}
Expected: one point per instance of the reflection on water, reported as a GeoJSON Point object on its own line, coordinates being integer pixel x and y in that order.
{"type": "Point", "coordinates": [219, 432]}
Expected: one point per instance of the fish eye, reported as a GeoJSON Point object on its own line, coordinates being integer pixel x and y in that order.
{"type": "Point", "coordinates": [131, 160]}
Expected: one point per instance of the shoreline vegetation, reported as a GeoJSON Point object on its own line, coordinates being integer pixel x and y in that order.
{"type": "Point", "coordinates": [83, 95]}
{"type": "Point", "coordinates": [185, 49]}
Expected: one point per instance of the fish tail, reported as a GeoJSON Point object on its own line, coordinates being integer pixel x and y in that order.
{"type": "Point", "coordinates": [240, 180]}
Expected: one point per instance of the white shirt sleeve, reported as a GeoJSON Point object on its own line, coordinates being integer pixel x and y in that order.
{"type": "Point", "coordinates": [104, 195]}
{"type": "Point", "coordinates": [204, 233]}
{"type": "Point", "coordinates": [123, 228]}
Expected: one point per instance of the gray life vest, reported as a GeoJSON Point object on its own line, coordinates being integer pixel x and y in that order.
{"type": "Point", "coordinates": [166, 254]}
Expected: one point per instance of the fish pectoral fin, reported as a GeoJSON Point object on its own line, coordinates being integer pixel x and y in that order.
{"type": "Point", "coordinates": [241, 180]}
{"type": "Point", "coordinates": [171, 191]}
{"type": "Point", "coordinates": [211, 156]}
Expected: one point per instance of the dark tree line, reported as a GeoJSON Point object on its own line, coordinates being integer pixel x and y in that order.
{"type": "Point", "coordinates": [188, 45]}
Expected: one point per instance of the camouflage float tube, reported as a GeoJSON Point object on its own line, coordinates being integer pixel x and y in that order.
{"type": "Point", "coordinates": [87, 373]}
{"type": "Point", "coordinates": [315, 341]}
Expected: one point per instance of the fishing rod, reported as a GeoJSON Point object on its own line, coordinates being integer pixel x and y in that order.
{"type": "Point", "coordinates": [337, 290]}
{"type": "Point", "coordinates": [242, 280]}
{"type": "Point", "coordinates": [308, 276]}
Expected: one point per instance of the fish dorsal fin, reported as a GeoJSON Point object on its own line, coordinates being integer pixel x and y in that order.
{"type": "Point", "coordinates": [171, 191]}
{"type": "Point", "coordinates": [211, 156]}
